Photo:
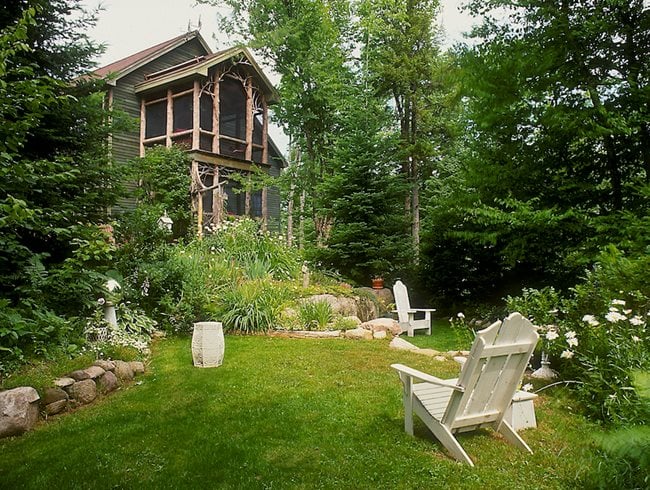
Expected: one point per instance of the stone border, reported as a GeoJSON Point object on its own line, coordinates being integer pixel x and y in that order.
{"type": "Point", "coordinates": [20, 407]}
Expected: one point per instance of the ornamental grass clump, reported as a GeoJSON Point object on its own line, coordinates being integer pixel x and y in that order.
{"type": "Point", "coordinates": [251, 306]}
{"type": "Point", "coordinates": [315, 315]}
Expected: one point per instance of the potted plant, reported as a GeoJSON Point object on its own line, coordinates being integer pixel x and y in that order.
{"type": "Point", "coordinates": [379, 269]}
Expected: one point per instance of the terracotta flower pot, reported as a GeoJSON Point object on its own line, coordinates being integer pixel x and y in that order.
{"type": "Point", "coordinates": [377, 283]}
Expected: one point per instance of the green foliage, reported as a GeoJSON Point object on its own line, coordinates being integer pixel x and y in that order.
{"type": "Point", "coordinates": [163, 177]}
{"type": "Point", "coordinates": [551, 167]}
{"type": "Point", "coordinates": [624, 459]}
{"type": "Point", "coordinates": [56, 179]}
{"type": "Point", "coordinates": [179, 284]}
{"type": "Point", "coordinates": [251, 306]}
{"type": "Point", "coordinates": [315, 315]}
{"type": "Point", "coordinates": [598, 335]}
{"type": "Point", "coordinates": [133, 330]}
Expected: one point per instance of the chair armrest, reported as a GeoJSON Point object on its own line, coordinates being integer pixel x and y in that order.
{"type": "Point", "coordinates": [414, 310]}
{"type": "Point", "coordinates": [414, 373]}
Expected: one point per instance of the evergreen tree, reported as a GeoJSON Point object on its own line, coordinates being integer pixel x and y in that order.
{"type": "Point", "coordinates": [555, 156]}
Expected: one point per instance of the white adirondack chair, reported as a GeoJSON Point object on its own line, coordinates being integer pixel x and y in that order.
{"type": "Point", "coordinates": [483, 392]}
{"type": "Point", "coordinates": [406, 314]}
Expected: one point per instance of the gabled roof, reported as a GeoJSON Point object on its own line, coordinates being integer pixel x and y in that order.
{"type": "Point", "coordinates": [201, 65]}
{"type": "Point", "coordinates": [123, 67]}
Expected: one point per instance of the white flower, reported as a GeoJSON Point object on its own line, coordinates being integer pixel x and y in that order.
{"type": "Point", "coordinates": [613, 308]}
{"type": "Point", "coordinates": [111, 285]}
{"type": "Point", "coordinates": [637, 320]}
{"type": "Point", "coordinates": [566, 354]}
{"type": "Point", "coordinates": [591, 320]}
{"type": "Point", "coordinates": [618, 302]}
{"type": "Point", "coordinates": [527, 387]}
{"type": "Point", "coordinates": [615, 317]}
{"type": "Point", "coordinates": [551, 335]}
{"type": "Point", "coordinates": [572, 341]}
{"type": "Point", "coordinates": [460, 315]}
{"type": "Point", "coordinates": [554, 311]}
{"type": "Point", "coordinates": [570, 334]}
{"type": "Point", "coordinates": [101, 301]}
{"type": "Point", "coordinates": [627, 312]}
{"type": "Point", "coordinates": [635, 338]}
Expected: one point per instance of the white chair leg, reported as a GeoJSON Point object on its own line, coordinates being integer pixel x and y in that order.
{"type": "Point", "coordinates": [512, 437]}
{"type": "Point", "coordinates": [446, 438]}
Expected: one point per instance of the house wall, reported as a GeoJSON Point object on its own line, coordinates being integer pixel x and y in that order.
{"type": "Point", "coordinates": [126, 145]}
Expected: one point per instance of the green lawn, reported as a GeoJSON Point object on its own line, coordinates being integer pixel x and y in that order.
{"type": "Point", "coordinates": [281, 413]}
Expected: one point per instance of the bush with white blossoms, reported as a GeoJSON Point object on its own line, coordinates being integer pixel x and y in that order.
{"type": "Point", "coordinates": [599, 349]}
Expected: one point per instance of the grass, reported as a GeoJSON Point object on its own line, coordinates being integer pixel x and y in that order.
{"type": "Point", "coordinates": [281, 413]}
{"type": "Point", "coordinates": [443, 338]}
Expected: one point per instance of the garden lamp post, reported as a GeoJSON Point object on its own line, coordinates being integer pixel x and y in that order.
{"type": "Point", "coordinates": [165, 222]}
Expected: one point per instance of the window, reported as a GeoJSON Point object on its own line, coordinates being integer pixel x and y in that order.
{"type": "Point", "coordinates": [183, 113]}
{"type": "Point", "coordinates": [156, 119]}
{"type": "Point", "coordinates": [206, 112]}
{"type": "Point", "coordinates": [232, 109]}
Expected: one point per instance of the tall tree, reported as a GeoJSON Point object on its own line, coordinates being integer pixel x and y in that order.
{"type": "Point", "coordinates": [369, 236]}
{"type": "Point", "coordinates": [402, 58]}
{"type": "Point", "coordinates": [556, 149]}
{"type": "Point", "coordinates": [306, 42]}
{"type": "Point", "coordinates": [55, 173]}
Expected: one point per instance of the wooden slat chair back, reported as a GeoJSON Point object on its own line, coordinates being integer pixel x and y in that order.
{"type": "Point", "coordinates": [483, 392]}
{"type": "Point", "coordinates": [406, 314]}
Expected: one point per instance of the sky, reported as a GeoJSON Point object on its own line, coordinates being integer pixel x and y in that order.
{"type": "Point", "coordinates": [129, 26]}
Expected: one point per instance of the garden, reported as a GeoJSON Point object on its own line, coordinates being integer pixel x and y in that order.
{"type": "Point", "coordinates": [486, 183]}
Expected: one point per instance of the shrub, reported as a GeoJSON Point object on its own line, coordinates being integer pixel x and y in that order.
{"type": "Point", "coordinates": [598, 334]}
{"type": "Point", "coordinates": [315, 314]}
{"type": "Point", "coordinates": [251, 306]}
{"type": "Point", "coordinates": [133, 329]}
{"type": "Point", "coordinates": [624, 454]}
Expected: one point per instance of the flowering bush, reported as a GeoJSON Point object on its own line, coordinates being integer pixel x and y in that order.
{"type": "Point", "coordinates": [598, 348]}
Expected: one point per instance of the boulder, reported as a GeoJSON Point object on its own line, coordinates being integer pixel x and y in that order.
{"type": "Point", "coordinates": [53, 395]}
{"type": "Point", "coordinates": [429, 352]}
{"type": "Point", "coordinates": [401, 344]}
{"type": "Point", "coordinates": [105, 365]}
{"type": "Point", "coordinates": [137, 367]}
{"type": "Point", "coordinates": [79, 375]}
{"type": "Point", "coordinates": [358, 334]}
{"type": "Point", "coordinates": [383, 325]}
{"type": "Point", "coordinates": [380, 334]}
{"type": "Point", "coordinates": [18, 410]}
{"type": "Point", "coordinates": [341, 305]}
{"type": "Point", "coordinates": [94, 372]}
{"type": "Point", "coordinates": [123, 371]}
{"type": "Point", "coordinates": [367, 309]}
{"type": "Point", "coordinates": [56, 407]}
{"type": "Point", "coordinates": [83, 392]}
{"type": "Point", "coordinates": [107, 382]}
{"type": "Point", "coordinates": [64, 382]}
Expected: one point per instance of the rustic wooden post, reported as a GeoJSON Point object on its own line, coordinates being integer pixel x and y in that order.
{"type": "Point", "coordinates": [196, 115]}
{"type": "Point", "coordinates": [249, 139]}
{"type": "Point", "coordinates": [143, 125]}
{"type": "Point", "coordinates": [217, 198]}
{"type": "Point", "coordinates": [265, 160]}
{"type": "Point", "coordinates": [170, 118]}
{"type": "Point", "coordinates": [215, 114]}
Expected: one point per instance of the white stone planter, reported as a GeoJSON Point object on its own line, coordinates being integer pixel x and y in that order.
{"type": "Point", "coordinates": [208, 345]}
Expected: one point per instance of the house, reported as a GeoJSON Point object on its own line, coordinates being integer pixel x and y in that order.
{"type": "Point", "coordinates": [213, 104]}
